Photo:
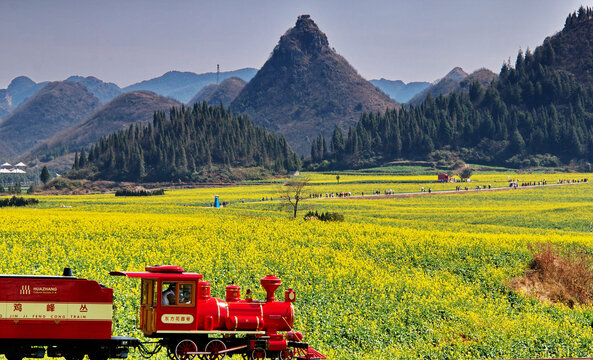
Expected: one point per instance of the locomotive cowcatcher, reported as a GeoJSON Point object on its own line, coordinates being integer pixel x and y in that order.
{"type": "Point", "coordinates": [72, 317]}
{"type": "Point", "coordinates": [177, 308]}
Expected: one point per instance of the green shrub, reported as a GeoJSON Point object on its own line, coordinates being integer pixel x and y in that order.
{"type": "Point", "coordinates": [327, 216]}
{"type": "Point", "coordinates": [17, 201]}
{"type": "Point", "coordinates": [127, 192]}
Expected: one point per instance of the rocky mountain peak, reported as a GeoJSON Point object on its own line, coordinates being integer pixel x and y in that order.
{"type": "Point", "coordinates": [305, 38]}
{"type": "Point", "coordinates": [457, 74]}
{"type": "Point", "coordinates": [305, 89]}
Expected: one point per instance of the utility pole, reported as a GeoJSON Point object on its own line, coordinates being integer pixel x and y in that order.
{"type": "Point", "coordinates": [217, 73]}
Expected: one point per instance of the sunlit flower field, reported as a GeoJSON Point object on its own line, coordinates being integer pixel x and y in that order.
{"type": "Point", "coordinates": [416, 277]}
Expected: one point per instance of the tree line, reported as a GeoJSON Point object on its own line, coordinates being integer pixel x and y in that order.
{"type": "Point", "coordinates": [191, 140]}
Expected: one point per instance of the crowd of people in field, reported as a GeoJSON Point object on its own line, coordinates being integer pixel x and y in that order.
{"type": "Point", "coordinates": [516, 183]}
{"type": "Point", "coordinates": [478, 187]}
{"type": "Point", "coordinates": [513, 183]}
{"type": "Point", "coordinates": [330, 195]}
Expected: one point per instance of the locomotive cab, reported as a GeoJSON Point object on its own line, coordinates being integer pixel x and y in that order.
{"type": "Point", "coordinates": [167, 299]}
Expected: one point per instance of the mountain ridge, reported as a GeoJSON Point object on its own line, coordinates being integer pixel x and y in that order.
{"type": "Point", "coordinates": [55, 107]}
{"type": "Point", "coordinates": [104, 91]}
{"type": "Point", "coordinates": [442, 86]}
{"type": "Point", "coordinates": [118, 114]}
{"type": "Point", "coordinates": [224, 93]}
{"type": "Point", "coordinates": [18, 91]}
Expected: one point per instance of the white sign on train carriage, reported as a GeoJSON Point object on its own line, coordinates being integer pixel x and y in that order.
{"type": "Point", "coordinates": [55, 311]}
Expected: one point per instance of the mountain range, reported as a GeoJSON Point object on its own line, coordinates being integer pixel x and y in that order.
{"type": "Point", "coordinates": [399, 90]}
{"type": "Point", "coordinates": [308, 93]}
{"type": "Point", "coordinates": [304, 89]}
{"type": "Point", "coordinates": [58, 105]}
{"type": "Point", "coordinates": [182, 86]}
{"type": "Point", "coordinates": [50, 120]}
{"type": "Point", "coordinates": [118, 114]}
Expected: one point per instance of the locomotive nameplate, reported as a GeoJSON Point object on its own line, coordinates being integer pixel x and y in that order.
{"type": "Point", "coordinates": [55, 311]}
{"type": "Point", "coordinates": [177, 319]}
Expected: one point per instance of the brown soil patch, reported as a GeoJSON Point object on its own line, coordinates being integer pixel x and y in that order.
{"type": "Point", "coordinates": [557, 277]}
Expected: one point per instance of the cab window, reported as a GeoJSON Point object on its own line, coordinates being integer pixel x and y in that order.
{"type": "Point", "coordinates": [186, 293]}
{"type": "Point", "coordinates": [144, 293]}
{"type": "Point", "coordinates": [177, 293]}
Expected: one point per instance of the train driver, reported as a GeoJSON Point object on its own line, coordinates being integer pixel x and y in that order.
{"type": "Point", "coordinates": [168, 296]}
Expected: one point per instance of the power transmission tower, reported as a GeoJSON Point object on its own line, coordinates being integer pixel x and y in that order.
{"type": "Point", "coordinates": [217, 73]}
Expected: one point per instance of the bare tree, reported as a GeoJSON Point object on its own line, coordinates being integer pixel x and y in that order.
{"type": "Point", "coordinates": [294, 192]}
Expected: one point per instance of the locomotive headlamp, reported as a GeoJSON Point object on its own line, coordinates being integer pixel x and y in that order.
{"type": "Point", "coordinates": [289, 295]}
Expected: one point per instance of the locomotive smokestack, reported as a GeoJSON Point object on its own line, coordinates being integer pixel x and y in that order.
{"type": "Point", "coordinates": [270, 283]}
{"type": "Point", "coordinates": [67, 272]}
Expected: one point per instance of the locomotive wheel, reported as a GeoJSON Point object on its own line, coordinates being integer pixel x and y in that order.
{"type": "Point", "coordinates": [287, 354]}
{"type": "Point", "coordinates": [214, 347]}
{"type": "Point", "coordinates": [183, 348]}
{"type": "Point", "coordinates": [258, 353]}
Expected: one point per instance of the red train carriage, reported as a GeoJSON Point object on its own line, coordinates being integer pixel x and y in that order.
{"type": "Point", "coordinates": [70, 317]}
{"type": "Point", "coordinates": [177, 308]}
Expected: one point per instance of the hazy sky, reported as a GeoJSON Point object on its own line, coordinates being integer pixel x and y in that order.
{"type": "Point", "coordinates": [126, 41]}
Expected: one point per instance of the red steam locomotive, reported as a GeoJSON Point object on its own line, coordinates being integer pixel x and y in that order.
{"type": "Point", "coordinates": [71, 317]}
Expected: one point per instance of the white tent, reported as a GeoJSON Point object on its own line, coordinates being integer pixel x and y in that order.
{"type": "Point", "coordinates": [5, 165]}
{"type": "Point", "coordinates": [18, 171]}
{"type": "Point", "coordinates": [4, 171]}
{"type": "Point", "coordinates": [20, 165]}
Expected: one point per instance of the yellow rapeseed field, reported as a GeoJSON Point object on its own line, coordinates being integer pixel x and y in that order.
{"type": "Point", "coordinates": [417, 277]}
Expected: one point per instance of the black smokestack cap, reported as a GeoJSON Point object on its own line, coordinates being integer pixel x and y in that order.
{"type": "Point", "coordinates": [67, 272]}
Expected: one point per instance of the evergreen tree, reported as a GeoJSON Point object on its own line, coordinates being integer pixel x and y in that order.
{"type": "Point", "coordinates": [82, 160]}
{"type": "Point", "coordinates": [76, 163]}
{"type": "Point", "coordinates": [44, 176]}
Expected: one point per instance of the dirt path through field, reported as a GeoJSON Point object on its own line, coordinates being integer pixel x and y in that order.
{"type": "Point", "coordinates": [445, 192]}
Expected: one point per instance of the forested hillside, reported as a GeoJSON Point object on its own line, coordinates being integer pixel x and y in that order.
{"type": "Point", "coordinates": [539, 112]}
{"type": "Point", "coordinates": [198, 143]}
